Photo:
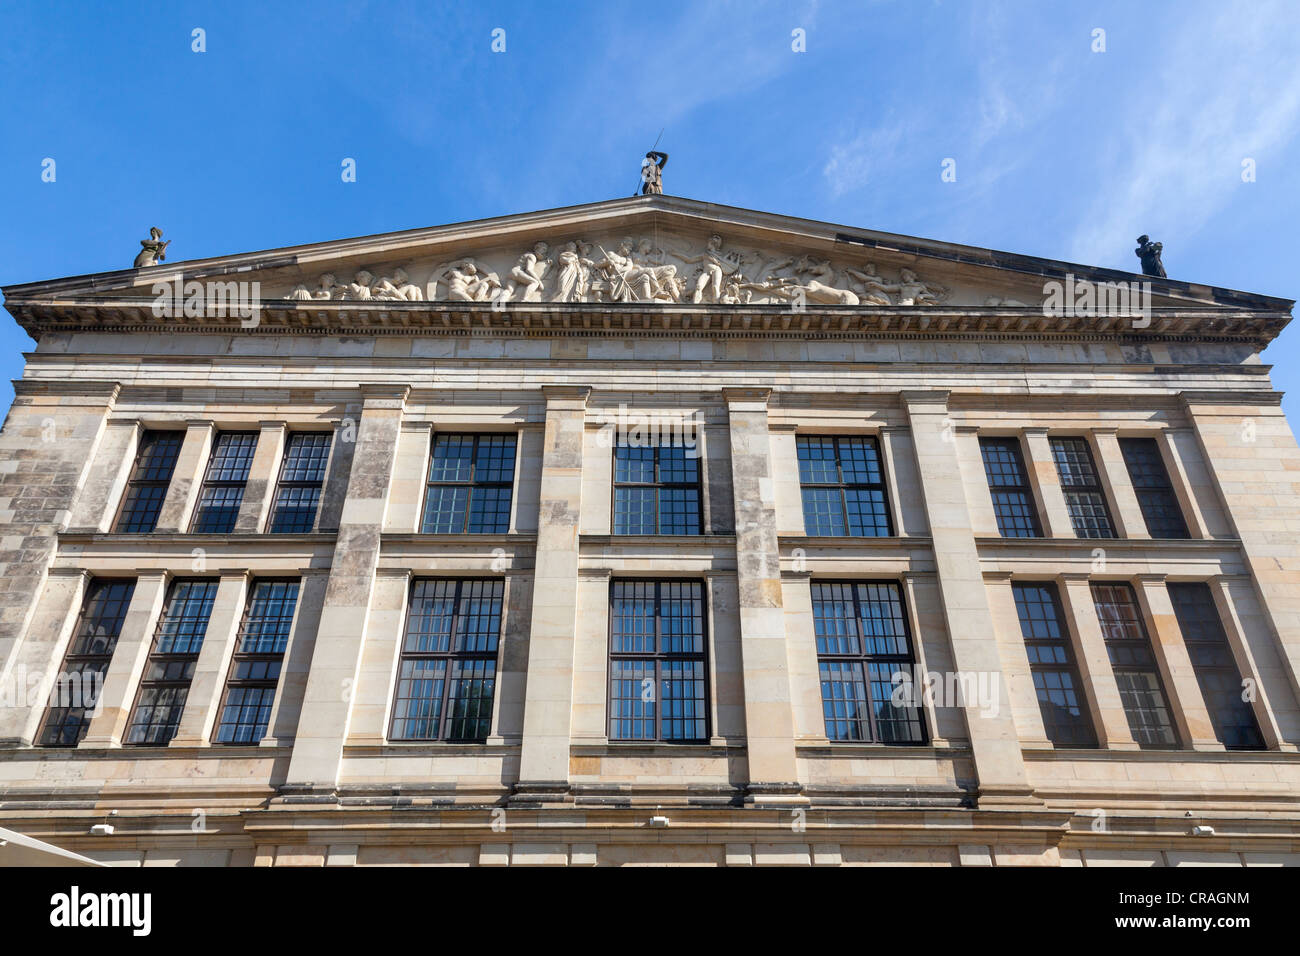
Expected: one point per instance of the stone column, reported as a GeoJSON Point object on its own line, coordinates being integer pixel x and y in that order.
{"type": "Point", "coordinates": [1044, 477]}
{"type": "Point", "coordinates": [375, 682]}
{"type": "Point", "coordinates": [283, 723]}
{"type": "Point", "coordinates": [1254, 463]}
{"type": "Point", "coordinates": [1095, 673]}
{"type": "Point", "coordinates": [127, 666]}
{"type": "Point", "coordinates": [1193, 485]}
{"type": "Point", "coordinates": [548, 707]}
{"type": "Point", "coordinates": [1021, 695]}
{"type": "Point", "coordinates": [898, 458]}
{"type": "Point", "coordinates": [975, 481]}
{"type": "Point", "coordinates": [95, 504]}
{"type": "Point", "coordinates": [263, 472]}
{"type": "Point", "coordinates": [528, 474]}
{"type": "Point", "coordinates": [769, 711]}
{"type": "Point", "coordinates": [340, 639]}
{"type": "Point", "coordinates": [26, 684]}
{"type": "Point", "coordinates": [715, 466]}
{"type": "Point", "coordinates": [187, 478]}
{"type": "Point", "coordinates": [999, 763]}
{"type": "Point", "coordinates": [1185, 699]}
{"type": "Point", "coordinates": [335, 489]}
{"type": "Point", "coordinates": [410, 470]}
{"type": "Point", "coordinates": [1124, 508]}
{"type": "Point", "coordinates": [512, 661]}
{"type": "Point", "coordinates": [210, 670]}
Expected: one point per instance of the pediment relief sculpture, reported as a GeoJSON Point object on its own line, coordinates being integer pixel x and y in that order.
{"type": "Point", "coordinates": [645, 271]}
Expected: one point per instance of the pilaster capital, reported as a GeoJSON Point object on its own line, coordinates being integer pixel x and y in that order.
{"type": "Point", "coordinates": [384, 394]}
{"type": "Point", "coordinates": [574, 397]}
{"type": "Point", "coordinates": [747, 396]}
{"type": "Point", "coordinates": [925, 396]}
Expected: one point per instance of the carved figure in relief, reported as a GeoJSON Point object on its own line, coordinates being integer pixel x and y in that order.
{"type": "Point", "coordinates": [572, 278]}
{"type": "Point", "coordinates": [529, 272]}
{"type": "Point", "coordinates": [1010, 303]}
{"type": "Point", "coordinates": [327, 286]}
{"type": "Point", "coordinates": [714, 266]}
{"type": "Point", "coordinates": [816, 287]}
{"type": "Point", "coordinates": [619, 272]}
{"type": "Point", "coordinates": [658, 279]}
{"type": "Point", "coordinates": [359, 288]}
{"type": "Point", "coordinates": [912, 291]}
{"type": "Point", "coordinates": [873, 291]}
{"type": "Point", "coordinates": [398, 287]}
{"type": "Point", "coordinates": [300, 293]}
{"type": "Point", "coordinates": [154, 250]}
{"type": "Point", "coordinates": [466, 284]}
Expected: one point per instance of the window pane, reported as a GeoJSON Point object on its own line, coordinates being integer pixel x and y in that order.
{"type": "Point", "coordinates": [1216, 669]}
{"type": "Point", "coordinates": [1051, 663]}
{"type": "Point", "coordinates": [634, 511]}
{"type": "Point", "coordinates": [656, 490]}
{"type": "Point", "coordinates": [223, 485]}
{"type": "Point", "coordinates": [1084, 499]}
{"type": "Point", "coordinates": [170, 667]}
{"type": "Point", "coordinates": [302, 475]}
{"type": "Point", "coordinates": [1013, 503]}
{"type": "Point", "coordinates": [470, 485]}
{"type": "Point", "coordinates": [1155, 494]}
{"type": "Point", "coordinates": [843, 487]}
{"type": "Point", "coordinates": [150, 478]}
{"type": "Point", "coordinates": [1134, 665]}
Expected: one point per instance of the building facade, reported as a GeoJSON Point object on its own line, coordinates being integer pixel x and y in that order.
{"type": "Point", "coordinates": [649, 532]}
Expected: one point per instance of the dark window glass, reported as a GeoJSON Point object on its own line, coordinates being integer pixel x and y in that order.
{"type": "Point", "coordinates": [448, 668]}
{"type": "Point", "coordinates": [1140, 689]}
{"type": "Point", "coordinates": [255, 667]}
{"type": "Point", "coordinates": [1216, 670]}
{"type": "Point", "coordinates": [657, 682]}
{"type": "Point", "coordinates": [864, 656]}
{"type": "Point", "coordinates": [843, 487]}
{"type": "Point", "coordinates": [170, 668]}
{"type": "Point", "coordinates": [302, 474]}
{"type": "Point", "coordinates": [656, 489]}
{"type": "Point", "coordinates": [1155, 495]}
{"type": "Point", "coordinates": [1051, 662]}
{"type": "Point", "coordinates": [150, 478]}
{"type": "Point", "coordinates": [1084, 498]}
{"type": "Point", "coordinates": [470, 480]}
{"type": "Point", "coordinates": [1013, 501]}
{"type": "Point", "coordinates": [223, 485]}
{"type": "Point", "coordinates": [78, 685]}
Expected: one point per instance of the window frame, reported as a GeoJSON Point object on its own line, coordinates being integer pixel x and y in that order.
{"type": "Point", "coordinates": [657, 485]}
{"type": "Point", "coordinates": [225, 484]}
{"type": "Point", "coordinates": [845, 487]}
{"type": "Point", "coordinates": [908, 662]}
{"type": "Point", "coordinates": [282, 483]}
{"type": "Point", "coordinates": [134, 482]}
{"type": "Point", "coordinates": [658, 657]}
{"type": "Point", "coordinates": [190, 657]}
{"type": "Point", "coordinates": [1095, 487]}
{"type": "Point", "coordinates": [450, 657]}
{"type": "Point", "coordinates": [1129, 443]}
{"type": "Point", "coordinates": [1089, 739]}
{"type": "Point", "coordinates": [472, 483]}
{"type": "Point", "coordinates": [237, 657]}
{"type": "Point", "coordinates": [72, 657]}
{"type": "Point", "coordinates": [1139, 618]}
{"type": "Point", "coordinates": [1026, 486]}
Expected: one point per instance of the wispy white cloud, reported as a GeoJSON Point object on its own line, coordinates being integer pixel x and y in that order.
{"type": "Point", "coordinates": [1220, 92]}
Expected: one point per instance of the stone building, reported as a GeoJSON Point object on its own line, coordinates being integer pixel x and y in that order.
{"type": "Point", "coordinates": [648, 531]}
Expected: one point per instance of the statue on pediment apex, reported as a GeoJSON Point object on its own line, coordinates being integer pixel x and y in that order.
{"type": "Point", "coordinates": [154, 250]}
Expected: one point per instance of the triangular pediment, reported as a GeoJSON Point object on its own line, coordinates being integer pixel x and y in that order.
{"type": "Point", "coordinates": [648, 250]}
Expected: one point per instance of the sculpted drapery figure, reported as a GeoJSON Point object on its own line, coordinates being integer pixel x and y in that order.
{"type": "Point", "coordinates": [714, 266]}
{"type": "Point", "coordinates": [154, 250]}
{"type": "Point", "coordinates": [1149, 252]}
{"type": "Point", "coordinates": [652, 175]}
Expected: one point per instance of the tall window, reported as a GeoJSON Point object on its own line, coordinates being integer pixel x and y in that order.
{"type": "Point", "coordinates": [843, 487]}
{"type": "Point", "coordinates": [862, 643]}
{"type": "Point", "coordinates": [1155, 494]}
{"type": "Point", "coordinates": [1013, 501]}
{"type": "Point", "coordinates": [470, 479]}
{"type": "Point", "coordinates": [1216, 670]}
{"type": "Point", "coordinates": [1051, 662]}
{"type": "Point", "coordinates": [656, 489]}
{"type": "Point", "coordinates": [448, 668]}
{"type": "Point", "coordinates": [1084, 498]}
{"type": "Point", "coordinates": [657, 684]}
{"type": "Point", "coordinates": [1140, 689]}
{"type": "Point", "coordinates": [223, 485]}
{"type": "Point", "coordinates": [79, 683]}
{"type": "Point", "coordinates": [170, 668]}
{"type": "Point", "coordinates": [302, 474]}
{"type": "Point", "coordinates": [150, 477]}
{"type": "Point", "coordinates": [255, 668]}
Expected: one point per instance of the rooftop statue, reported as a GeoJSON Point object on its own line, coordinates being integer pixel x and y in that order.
{"type": "Point", "coordinates": [652, 176]}
{"type": "Point", "coordinates": [154, 250]}
{"type": "Point", "coordinates": [1149, 253]}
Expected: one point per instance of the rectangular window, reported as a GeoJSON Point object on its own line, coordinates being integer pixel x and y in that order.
{"type": "Point", "coordinates": [1140, 689]}
{"type": "Point", "coordinates": [843, 487]}
{"type": "Point", "coordinates": [150, 478]}
{"type": "Point", "coordinates": [448, 669]}
{"type": "Point", "coordinates": [1013, 501]}
{"type": "Point", "coordinates": [1084, 498]}
{"type": "Point", "coordinates": [862, 643]}
{"type": "Point", "coordinates": [78, 685]}
{"type": "Point", "coordinates": [255, 668]}
{"type": "Point", "coordinates": [170, 667]}
{"type": "Point", "coordinates": [1051, 662]}
{"type": "Point", "coordinates": [1155, 494]}
{"type": "Point", "coordinates": [223, 485]}
{"type": "Point", "coordinates": [657, 683]}
{"type": "Point", "coordinates": [1216, 670]}
{"type": "Point", "coordinates": [470, 481]}
{"type": "Point", "coordinates": [302, 475]}
{"type": "Point", "coordinates": [656, 489]}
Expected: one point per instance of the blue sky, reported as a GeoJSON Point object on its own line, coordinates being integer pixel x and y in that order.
{"type": "Point", "coordinates": [1060, 151]}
